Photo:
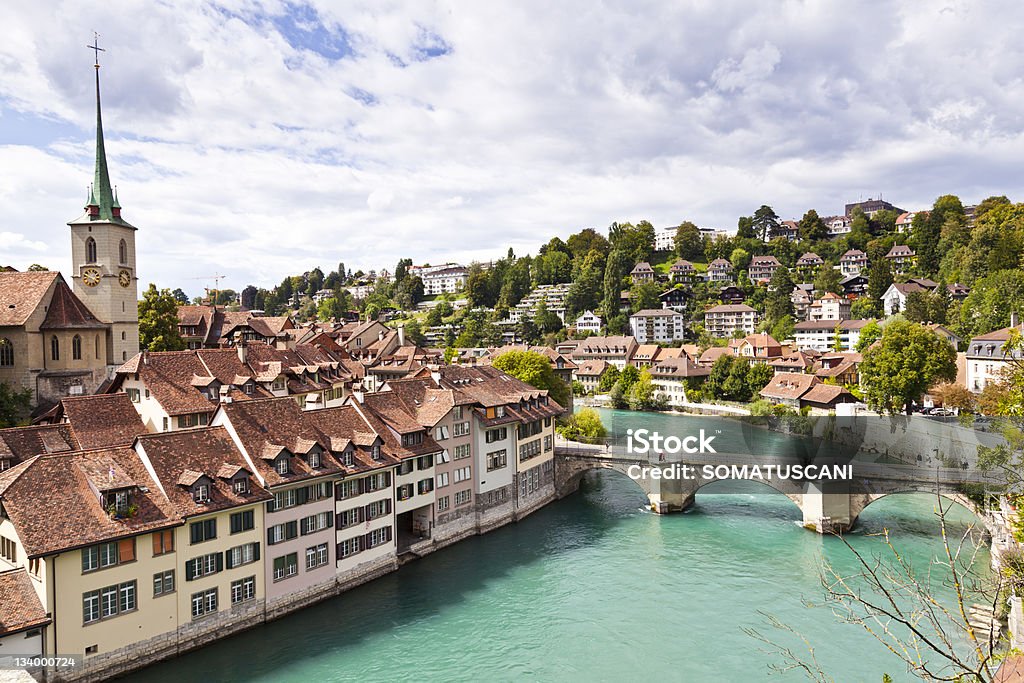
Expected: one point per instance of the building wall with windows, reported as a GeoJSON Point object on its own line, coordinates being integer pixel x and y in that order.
{"type": "Point", "coordinates": [535, 471]}
{"type": "Point", "coordinates": [102, 597]}
{"type": "Point", "coordinates": [495, 469]}
{"type": "Point", "coordinates": [300, 540]}
{"type": "Point", "coordinates": [362, 539]}
{"type": "Point", "coordinates": [152, 413]}
{"type": "Point", "coordinates": [210, 588]}
{"type": "Point", "coordinates": [453, 474]}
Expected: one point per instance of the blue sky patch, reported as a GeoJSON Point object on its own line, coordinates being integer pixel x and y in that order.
{"type": "Point", "coordinates": [302, 27]}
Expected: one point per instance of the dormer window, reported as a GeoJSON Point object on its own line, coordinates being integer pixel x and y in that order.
{"type": "Point", "coordinates": [346, 457]}
{"type": "Point", "coordinates": [375, 451]}
{"type": "Point", "coordinates": [500, 411]}
{"type": "Point", "coordinates": [118, 502]}
{"type": "Point", "coordinates": [201, 493]}
{"type": "Point", "coordinates": [281, 466]}
{"type": "Point", "coordinates": [247, 388]}
{"type": "Point", "coordinates": [241, 485]}
{"type": "Point", "coordinates": [314, 459]}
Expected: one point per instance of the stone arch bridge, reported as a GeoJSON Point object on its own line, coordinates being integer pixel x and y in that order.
{"type": "Point", "coordinates": [827, 505]}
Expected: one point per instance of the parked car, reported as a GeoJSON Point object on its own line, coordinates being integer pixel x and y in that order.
{"type": "Point", "coordinates": [942, 412]}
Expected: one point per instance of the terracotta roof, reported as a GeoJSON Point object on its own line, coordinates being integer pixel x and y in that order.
{"type": "Point", "coordinates": [66, 311]}
{"type": "Point", "coordinates": [655, 313]}
{"type": "Point", "coordinates": [713, 353]}
{"type": "Point", "coordinates": [592, 368]}
{"type": "Point", "coordinates": [64, 485]}
{"type": "Point", "coordinates": [266, 426]}
{"type": "Point", "coordinates": [21, 294]}
{"type": "Point", "coordinates": [678, 368]}
{"type": "Point", "coordinates": [789, 385]}
{"type": "Point", "coordinates": [22, 443]}
{"type": "Point", "coordinates": [830, 324]}
{"type": "Point", "coordinates": [168, 375]}
{"type": "Point", "coordinates": [900, 250]}
{"type": "Point", "coordinates": [825, 394]}
{"type": "Point", "coordinates": [177, 457]}
{"type": "Point", "coordinates": [424, 398]}
{"type": "Point", "coordinates": [20, 608]}
{"type": "Point", "coordinates": [102, 420]}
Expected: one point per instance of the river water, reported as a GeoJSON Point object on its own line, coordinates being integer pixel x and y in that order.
{"type": "Point", "coordinates": [592, 587]}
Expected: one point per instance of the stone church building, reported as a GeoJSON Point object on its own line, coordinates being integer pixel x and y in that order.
{"type": "Point", "coordinates": [60, 340]}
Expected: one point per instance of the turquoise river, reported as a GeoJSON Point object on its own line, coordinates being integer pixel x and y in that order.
{"type": "Point", "coordinates": [590, 588]}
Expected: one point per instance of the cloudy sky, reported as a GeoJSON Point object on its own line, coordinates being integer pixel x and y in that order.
{"type": "Point", "coordinates": [259, 139]}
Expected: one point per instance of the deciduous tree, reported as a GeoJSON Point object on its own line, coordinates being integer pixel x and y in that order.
{"type": "Point", "coordinates": [908, 360]}
{"type": "Point", "coordinates": [158, 321]}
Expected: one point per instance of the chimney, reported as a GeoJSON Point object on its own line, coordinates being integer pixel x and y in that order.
{"type": "Point", "coordinates": [225, 393]}
{"type": "Point", "coordinates": [145, 357]}
{"type": "Point", "coordinates": [241, 352]}
{"type": "Point", "coordinates": [401, 335]}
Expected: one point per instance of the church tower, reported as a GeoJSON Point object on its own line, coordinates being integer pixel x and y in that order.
{"type": "Point", "coordinates": [103, 256]}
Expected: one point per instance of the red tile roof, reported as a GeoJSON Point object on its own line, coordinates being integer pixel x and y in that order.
{"type": "Point", "coordinates": [66, 311]}
{"type": "Point", "coordinates": [20, 608]}
{"type": "Point", "coordinates": [21, 294]}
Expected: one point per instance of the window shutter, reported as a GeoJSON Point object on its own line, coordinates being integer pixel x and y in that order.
{"type": "Point", "coordinates": [158, 546]}
{"type": "Point", "coordinates": [330, 521]}
{"type": "Point", "coordinates": [387, 505]}
{"type": "Point", "coordinates": [387, 535]}
{"type": "Point", "coordinates": [270, 536]}
{"type": "Point", "coordinates": [256, 551]}
{"type": "Point", "coordinates": [302, 495]}
{"type": "Point", "coordinates": [229, 563]}
{"type": "Point", "coordinates": [387, 479]}
{"type": "Point", "coordinates": [361, 485]}
{"type": "Point", "coordinates": [270, 506]}
{"type": "Point", "coordinates": [126, 550]}
{"type": "Point", "coordinates": [220, 561]}
{"type": "Point", "coordinates": [338, 521]}
{"type": "Point", "coordinates": [190, 570]}
{"type": "Point", "coordinates": [365, 541]}
{"type": "Point", "coordinates": [292, 529]}
{"type": "Point", "coordinates": [250, 519]}
{"type": "Point", "coordinates": [211, 528]}
{"type": "Point", "coordinates": [236, 523]}
{"type": "Point", "coordinates": [329, 488]}
{"type": "Point", "coordinates": [194, 532]}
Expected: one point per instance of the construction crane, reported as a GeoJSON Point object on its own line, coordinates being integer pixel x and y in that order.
{"type": "Point", "coordinates": [216, 277]}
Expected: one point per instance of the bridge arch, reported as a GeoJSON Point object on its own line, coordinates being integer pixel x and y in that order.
{"type": "Point", "coordinates": [786, 488]}
{"type": "Point", "coordinates": [860, 503]}
{"type": "Point", "coordinates": [569, 472]}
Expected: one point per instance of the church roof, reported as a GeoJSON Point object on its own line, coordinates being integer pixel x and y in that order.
{"type": "Point", "coordinates": [66, 311]}
{"type": "Point", "coordinates": [21, 294]}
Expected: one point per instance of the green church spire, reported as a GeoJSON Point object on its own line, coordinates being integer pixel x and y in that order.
{"type": "Point", "coordinates": [103, 193]}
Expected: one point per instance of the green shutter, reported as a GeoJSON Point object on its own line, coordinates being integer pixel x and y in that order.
{"type": "Point", "coordinates": [220, 561]}
{"type": "Point", "coordinates": [291, 529]}
{"type": "Point", "coordinates": [227, 561]}
{"type": "Point", "coordinates": [256, 550]}
{"type": "Point", "coordinates": [190, 570]}
{"type": "Point", "coordinates": [302, 495]}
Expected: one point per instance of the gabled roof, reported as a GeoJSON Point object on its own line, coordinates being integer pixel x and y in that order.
{"type": "Point", "coordinates": [102, 420]}
{"type": "Point", "coordinates": [66, 311]}
{"type": "Point", "coordinates": [22, 443]}
{"type": "Point", "coordinates": [592, 368]}
{"type": "Point", "coordinates": [180, 458]}
{"type": "Point", "coordinates": [20, 608]}
{"type": "Point", "coordinates": [52, 499]}
{"type": "Point", "coordinates": [730, 308]}
{"type": "Point", "coordinates": [789, 385]}
{"type": "Point", "coordinates": [169, 377]}
{"type": "Point", "coordinates": [21, 294]}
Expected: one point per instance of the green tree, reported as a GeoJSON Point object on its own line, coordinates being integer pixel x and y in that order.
{"type": "Point", "coordinates": [991, 301]}
{"type": "Point", "coordinates": [765, 223]}
{"type": "Point", "coordinates": [907, 362]}
{"type": "Point", "coordinates": [584, 426]}
{"type": "Point", "coordinates": [863, 307]}
{"type": "Point", "coordinates": [745, 228]}
{"type": "Point", "coordinates": [740, 258]}
{"type": "Point", "coordinates": [535, 369]}
{"type": "Point", "coordinates": [758, 377]}
{"type": "Point", "coordinates": [14, 405]}
{"type": "Point", "coordinates": [779, 303]}
{"type": "Point", "coordinates": [645, 296]}
{"type": "Point", "coordinates": [608, 379]}
{"type": "Point", "coordinates": [869, 334]}
{"type": "Point", "coordinates": [158, 321]}
{"type": "Point", "coordinates": [329, 309]}
{"type": "Point", "coordinates": [828, 279]}
{"type": "Point", "coordinates": [585, 241]}
{"type": "Point", "coordinates": [615, 271]}
{"type": "Point", "coordinates": [641, 394]}
{"type": "Point", "coordinates": [720, 371]}
{"type": "Point", "coordinates": [689, 243]}
{"type": "Point", "coordinates": [36, 268]}
{"type": "Point", "coordinates": [879, 280]}
{"type": "Point", "coordinates": [812, 228]}
{"type": "Point", "coordinates": [414, 333]}
{"type": "Point", "coordinates": [628, 377]}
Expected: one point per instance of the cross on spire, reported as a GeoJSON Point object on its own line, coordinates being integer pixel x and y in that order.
{"type": "Point", "coordinates": [95, 47]}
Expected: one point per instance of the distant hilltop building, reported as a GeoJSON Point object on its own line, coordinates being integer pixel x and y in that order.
{"type": "Point", "coordinates": [872, 206]}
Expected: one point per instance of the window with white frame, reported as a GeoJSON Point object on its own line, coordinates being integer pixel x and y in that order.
{"type": "Point", "coordinates": [243, 590]}
{"type": "Point", "coordinates": [316, 556]}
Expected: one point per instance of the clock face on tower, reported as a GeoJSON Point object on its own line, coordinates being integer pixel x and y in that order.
{"type": "Point", "coordinates": [125, 278]}
{"type": "Point", "coordinates": [91, 277]}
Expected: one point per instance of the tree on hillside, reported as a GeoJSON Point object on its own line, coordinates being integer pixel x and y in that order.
{"type": "Point", "coordinates": [414, 333]}
{"type": "Point", "coordinates": [779, 303]}
{"type": "Point", "coordinates": [908, 360]}
{"type": "Point", "coordinates": [765, 223]}
{"type": "Point", "coordinates": [927, 230]}
{"type": "Point", "coordinates": [812, 228]}
{"type": "Point", "coordinates": [828, 279]}
{"type": "Point", "coordinates": [991, 301]}
{"type": "Point", "coordinates": [740, 259]}
{"type": "Point", "coordinates": [247, 297]}
{"type": "Point", "coordinates": [158, 321]}
{"type": "Point", "coordinates": [645, 296]}
{"type": "Point", "coordinates": [869, 334]}
{"type": "Point", "coordinates": [14, 404]}
{"type": "Point", "coordinates": [329, 309]}
{"type": "Point", "coordinates": [583, 242]}
{"type": "Point", "coordinates": [879, 280]}
{"type": "Point", "coordinates": [536, 370]}
{"type": "Point", "coordinates": [608, 379]}
{"type": "Point", "coordinates": [689, 243]}
{"type": "Point", "coordinates": [745, 227]}
{"type": "Point", "coordinates": [758, 377]}
{"type": "Point", "coordinates": [615, 271]}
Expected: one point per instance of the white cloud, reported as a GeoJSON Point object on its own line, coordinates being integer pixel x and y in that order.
{"type": "Point", "coordinates": [454, 130]}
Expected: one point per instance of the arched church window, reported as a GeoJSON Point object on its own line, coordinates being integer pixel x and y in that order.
{"type": "Point", "coordinates": [90, 250]}
{"type": "Point", "coordinates": [76, 347]}
{"type": "Point", "coordinates": [54, 348]}
{"type": "Point", "coordinates": [6, 353]}
{"type": "Point", "coordinates": [123, 251]}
